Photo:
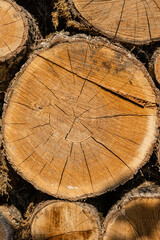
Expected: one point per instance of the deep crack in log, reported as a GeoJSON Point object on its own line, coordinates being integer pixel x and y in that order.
{"type": "Point", "coordinates": [80, 118]}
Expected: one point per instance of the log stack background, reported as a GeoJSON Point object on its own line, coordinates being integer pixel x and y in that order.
{"type": "Point", "coordinates": [53, 17]}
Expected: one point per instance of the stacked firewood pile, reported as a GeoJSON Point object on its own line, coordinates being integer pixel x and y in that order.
{"type": "Point", "coordinates": [79, 94]}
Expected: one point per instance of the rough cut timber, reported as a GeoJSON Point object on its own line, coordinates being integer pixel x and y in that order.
{"type": "Point", "coordinates": [135, 217]}
{"type": "Point", "coordinates": [136, 22]}
{"type": "Point", "coordinates": [18, 31]}
{"type": "Point", "coordinates": [154, 66]}
{"type": "Point", "coordinates": [10, 219]}
{"type": "Point", "coordinates": [80, 118]}
{"type": "Point", "coordinates": [65, 221]}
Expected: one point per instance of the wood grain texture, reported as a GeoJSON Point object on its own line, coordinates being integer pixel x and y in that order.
{"type": "Point", "coordinates": [136, 22]}
{"type": "Point", "coordinates": [13, 25]}
{"type": "Point", "coordinates": [80, 118]}
{"type": "Point", "coordinates": [135, 217]}
{"type": "Point", "coordinates": [154, 66]}
{"type": "Point", "coordinates": [18, 31]}
{"type": "Point", "coordinates": [57, 220]}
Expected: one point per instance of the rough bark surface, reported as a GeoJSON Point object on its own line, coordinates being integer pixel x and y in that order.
{"type": "Point", "coordinates": [18, 31]}
{"type": "Point", "coordinates": [10, 219]}
{"type": "Point", "coordinates": [80, 118]}
{"type": "Point", "coordinates": [136, 216]}
{"type": "Point", "coordinates": [136, 22]}
{"type": "Point", "coordinates": [65, 221]}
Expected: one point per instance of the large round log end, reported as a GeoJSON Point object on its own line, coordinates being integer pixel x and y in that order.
{"type": "Point", "coordinates": [80, 118]}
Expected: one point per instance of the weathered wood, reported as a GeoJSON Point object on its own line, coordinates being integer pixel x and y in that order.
{"type": "Point", "coordinates": [80, 118]}
{"type": "Point", "coordinates": [18, 31]}
{"type": "Point", "coordinates": [135, 217]}
{"type": "Point", "coordinates": [154, 66]}
{"type": "Point", "coordinates": [136, 22]}
{"type": "Point", "coordinates": [65, 221]}
{"type": "Point", "coordinates": [10, 219]}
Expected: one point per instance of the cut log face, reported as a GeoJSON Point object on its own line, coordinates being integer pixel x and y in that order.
{"type": "Point", "coordinates": [154, 66]}
{"type": "Point", "coordinates": [65, 221]}
{"type": "Point", "coordinates": [12, 29]}
{"type": "Point", "coordinates": [157, 68]}
{"type": "Point", "coordinates": [80, 118]}
{"type": "Point", "coordinates": [18, 31]}
{"type": "Point", "coordinates": [135, 218]}
{"type": "Point", "coordinates": [132, 21]}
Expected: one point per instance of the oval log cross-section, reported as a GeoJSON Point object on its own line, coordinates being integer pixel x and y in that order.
{"type": "Point", "coordinates": [65, 221]}
{"type": "Point", "coordinates": [17, 32]}
{"type": "Point", "coordinates": [80, 118]}
{"type": "Point", "coordinates": [131, 21]}
{"type": "Point", "coordinates": [135, 217]}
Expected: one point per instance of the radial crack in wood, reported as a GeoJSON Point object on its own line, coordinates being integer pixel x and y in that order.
{"type": "Point", "coordinates": [136, 22]}
{"type": "Point", "coordinates": [65, 221]}
{"type": "Point", "coordinates": [80, 118]}
{"type": "Point", "coordinates": [135, 217]}
{"type": "Point", "coordinates": [18, 31]}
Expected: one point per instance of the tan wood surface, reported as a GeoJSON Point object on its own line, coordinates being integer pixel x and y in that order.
{"type": "Point", "coordinates": [80, 118]}
{"type": "Point", "coordinates": [137, 218]}
{"type": "Point", "coordinates": [65, 221]}
{"type": "Point", "coordinates": [12, 28]}
{"type": "Point", "coordinates": [18, 32]}
{"type": "Point", "coordinates": [131, 21]}
{"type": "Point", "coordinates": [154, 66]}
{"type": "Point", "coordinates": [157, 68]}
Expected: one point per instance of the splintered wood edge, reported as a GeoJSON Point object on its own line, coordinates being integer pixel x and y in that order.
{"type": "Point", "coordinates": [31, 32]}
{"type": "Point", "coordinates": [62, 38]}
{"type": "Point", "coordinates": [88, 25]}
{"type": "Point", "coordinates": [90, 208]}
{"type": "Point", "coordinates": [145, 190]}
